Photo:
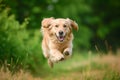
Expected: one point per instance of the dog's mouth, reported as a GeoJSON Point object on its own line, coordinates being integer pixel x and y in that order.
{"type": "Point", "coordinates": [60, 38]}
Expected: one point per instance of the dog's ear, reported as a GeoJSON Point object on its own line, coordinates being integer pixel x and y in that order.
{"type": "Point", "coordinates": [46, 22]}
{"type": "Point", "coordinates": [73, 24]}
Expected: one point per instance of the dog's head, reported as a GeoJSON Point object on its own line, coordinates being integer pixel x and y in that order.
{"type": "Point", "coordinates": [59, 28]}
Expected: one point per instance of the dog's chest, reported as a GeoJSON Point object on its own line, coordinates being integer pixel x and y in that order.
{"type": "Point", "coordinates": [61, 46]}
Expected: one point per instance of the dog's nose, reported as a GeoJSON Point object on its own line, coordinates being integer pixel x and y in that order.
{"type": "Point", "coordinates": [60, 32]}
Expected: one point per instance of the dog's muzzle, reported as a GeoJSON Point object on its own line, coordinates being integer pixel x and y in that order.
{"type": "Point", "coordinates": [61, 36]}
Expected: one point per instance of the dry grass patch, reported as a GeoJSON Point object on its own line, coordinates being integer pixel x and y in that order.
{"type": "Point", "coordinates": [106, 67]}
{"type": "Point", "coordinates": [5, 74]}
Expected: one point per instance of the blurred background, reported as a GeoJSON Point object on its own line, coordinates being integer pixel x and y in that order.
{"type": "Point", "coordinates": [20, 37]}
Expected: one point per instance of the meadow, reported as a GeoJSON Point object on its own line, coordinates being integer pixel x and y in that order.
{"type": "Point", "coordinates": [21, 56]}
{"type": "Point", "coordinates": [83, 66]}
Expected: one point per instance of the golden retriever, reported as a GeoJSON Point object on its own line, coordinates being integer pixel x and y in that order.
{"type": "Point", "coordinates": [57, 38]}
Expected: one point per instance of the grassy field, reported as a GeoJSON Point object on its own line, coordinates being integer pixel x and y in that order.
{"type": "Point", "coordinates": [84, 66]}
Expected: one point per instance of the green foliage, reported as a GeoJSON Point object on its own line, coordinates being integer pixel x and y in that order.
{"type": "Point", "coordinates": [99, 20]}
{"type": "Point", "coordinates": [83, 40]}
{"type": "Point", "coordinates": [20, 39]}
{"type": "Point", "coordinates": [19, 47]}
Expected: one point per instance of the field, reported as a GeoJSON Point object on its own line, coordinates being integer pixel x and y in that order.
{"type": "Point", "coordinates": [84, 66]}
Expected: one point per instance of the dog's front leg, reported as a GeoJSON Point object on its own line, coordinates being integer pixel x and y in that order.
{"type": "Point", "coordinates": [56, 55]}
{"type": "Point", "coordinates": [67, 52]}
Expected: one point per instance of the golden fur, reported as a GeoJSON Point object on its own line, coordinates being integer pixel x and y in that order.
{"type": "Point", "coordinates": [57, 38]}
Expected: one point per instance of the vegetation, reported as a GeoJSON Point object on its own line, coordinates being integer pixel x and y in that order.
{"type": "Point", "coordinates": [79, 67]}
{"type": "Point", "coordinates": [18, 47]}
{"type": "Point", "coordinates": [98, 20]}
{"type": "Point", "coordinates": [20, 39]}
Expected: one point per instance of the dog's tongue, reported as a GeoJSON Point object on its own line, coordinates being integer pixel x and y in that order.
{"type": "Point", "coordinates": [61, 38]}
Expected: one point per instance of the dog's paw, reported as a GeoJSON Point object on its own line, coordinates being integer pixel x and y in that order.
{"type": "Point", "coordinates": [57, 57]}
{"type": "Point", "coordinates": [66, 53]}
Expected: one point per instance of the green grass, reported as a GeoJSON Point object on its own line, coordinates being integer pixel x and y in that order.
{"type": "Point", "coordinates": [84, 66]}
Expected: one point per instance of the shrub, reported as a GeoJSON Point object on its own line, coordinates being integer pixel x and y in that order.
{"type": "Point", "coordinates": [19, 47]}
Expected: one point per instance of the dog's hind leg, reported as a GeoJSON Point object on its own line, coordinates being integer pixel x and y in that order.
{"type": "Point", "coordinates": [50, 63]}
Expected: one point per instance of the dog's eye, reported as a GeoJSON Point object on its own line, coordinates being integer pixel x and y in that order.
{"type": "Point", "coordinates": [56, 25]}
{"type": "Point", "coordinates": [64, 26]}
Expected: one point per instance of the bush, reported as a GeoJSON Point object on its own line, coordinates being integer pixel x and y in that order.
{"type": "Point", "coordinates": [19, 47]}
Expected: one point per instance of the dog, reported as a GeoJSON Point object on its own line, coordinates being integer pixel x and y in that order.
{"type": "Point", "coordinates": [57, 38]}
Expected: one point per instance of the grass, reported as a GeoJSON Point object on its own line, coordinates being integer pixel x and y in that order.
{"type": "Point", "coordinates": [80, 67]}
